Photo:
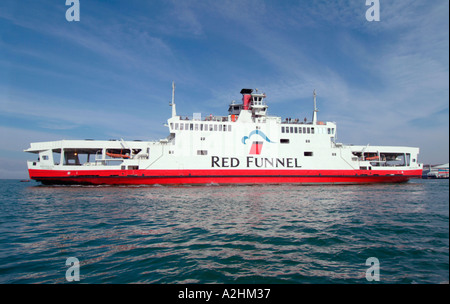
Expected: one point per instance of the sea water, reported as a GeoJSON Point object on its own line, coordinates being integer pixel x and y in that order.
{"type": "Point", "coordinates": [259, 234]}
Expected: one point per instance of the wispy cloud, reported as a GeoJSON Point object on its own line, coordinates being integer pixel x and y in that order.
{"type": "Point", "coordinates": [19, 139]}
{"type": "Point", "coordinates": [66, 114]}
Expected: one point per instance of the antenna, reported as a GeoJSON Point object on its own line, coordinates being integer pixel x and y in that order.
{"type": "Point", "coordinates": [174, 110]}
{"type": "Point", "coordinates": [315, 108]}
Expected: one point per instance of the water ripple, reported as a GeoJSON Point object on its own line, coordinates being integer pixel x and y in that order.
{"type": "Point", "coordinates": [225, 234]}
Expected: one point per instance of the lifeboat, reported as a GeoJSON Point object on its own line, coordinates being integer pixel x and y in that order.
{"type": "Point", "coordinates": [116, 155]}
{"type": "Point", "coordinates": [373, 158]}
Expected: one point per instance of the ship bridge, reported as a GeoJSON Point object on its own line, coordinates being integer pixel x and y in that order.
{"type": "Point", "coordinates": [253, 101]}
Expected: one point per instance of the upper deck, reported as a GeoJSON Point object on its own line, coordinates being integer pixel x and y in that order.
{"type": "Point", "coordinates": [253, 110]}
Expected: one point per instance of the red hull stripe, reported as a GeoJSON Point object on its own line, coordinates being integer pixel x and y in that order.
{"type": "Point", "coordinates": [220, 176]}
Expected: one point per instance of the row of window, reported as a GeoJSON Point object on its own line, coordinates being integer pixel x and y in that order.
{"type": "Point", "coordinates": [307, 130]}
{"type": "Point", "coordinates": [286, 141]}
{"type": "Point", "coordinates": [227, 128]}
{"type": "Point", "coordinates": [200, 127]}
{"type": "Point", "coordinates": [205, 152]}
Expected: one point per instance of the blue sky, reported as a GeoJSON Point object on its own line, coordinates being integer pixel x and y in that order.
{"type": "Point", "coordinates": [109, 75]}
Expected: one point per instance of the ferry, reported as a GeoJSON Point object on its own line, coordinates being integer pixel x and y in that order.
{"type": "Point", "coordinates": [247, 146]}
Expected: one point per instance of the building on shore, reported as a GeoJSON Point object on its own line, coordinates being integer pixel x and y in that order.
{"type": "Point", "coordinates": [437, 171]}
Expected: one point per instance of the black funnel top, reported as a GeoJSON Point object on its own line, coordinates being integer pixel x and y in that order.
{"type": "Point", "coordinates": [246, 91]}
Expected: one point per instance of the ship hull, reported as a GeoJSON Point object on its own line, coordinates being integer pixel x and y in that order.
{"type": "Point", "coordinates": [176, 177]}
